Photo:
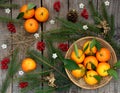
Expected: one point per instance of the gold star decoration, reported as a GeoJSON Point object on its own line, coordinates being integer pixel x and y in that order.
{"type": "Point", "coordinates": [105, 26]}
{"type": "Point", "coordinates": [51, 80]}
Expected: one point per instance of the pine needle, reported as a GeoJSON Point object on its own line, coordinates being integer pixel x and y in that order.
{"type": "Point", "coordinates": [8, 19]}
{"type": "Point", "coordinates": [96, 16]}
{"type": "Point", "coordinates": [68, 24]}
{"type": "Point", "coordinates": [112, 26]}
{"type": "Point", "coordinates": [3, 1]}
{"type": "Point", "coordinates": [104, 13]}
{"type": "Point", "coordinates": [13, 68]}
{"type": "Point", "coordinates": [45, 90]}
{"type": "Point", "coordinates": [9, 6]}
{"type": "Point", "coordinates": [40, 59]}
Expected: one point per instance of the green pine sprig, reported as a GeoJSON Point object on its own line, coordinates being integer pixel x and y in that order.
{"type": "Point", "coordinates": [95, 15]}
{"type": "Point", "coordinates": [104, 13]}
{"type": "Point", "coordinates": [29, 7]}
{"type": "Point", "coordinates": [3, 1]}
{"type": "Point", "coordinates": [42, 60]}
{"type": "Point", "coordinates": [8, 19]}
{"type": "Point", "coordinates": [12, 70]}
{"type": "Point", "coordinates": [13, 6]}
{"type": "Point", "coordinates": [46, 89]}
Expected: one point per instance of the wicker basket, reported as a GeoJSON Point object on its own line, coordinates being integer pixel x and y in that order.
{"type": "Point", "coordinates": [80, 82]}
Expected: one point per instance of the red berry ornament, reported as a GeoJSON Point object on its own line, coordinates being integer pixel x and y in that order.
{"type": "Point", "coordinates": [4, 63]}
{"type": "Point", "coordinates": [11, 27]}
{"type": "Point", "coordinates": [84, 13]}
{"type": "Point", "coordinates": [23, 84]}
{"type": "Point", "coordinates": [63, 47]}
{"type": "Point", "coordinates": [40, 46]}
{"type": "Point", "coordinates": [57, 6]}
{"type": "Point", "coordinates": [4, 66]}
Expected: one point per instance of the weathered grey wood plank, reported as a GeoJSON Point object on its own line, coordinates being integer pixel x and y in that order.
{"type": "Point", "coordinates": [4, 33]}
{"type": "Point", "coordinates": [114, 8]}
{"type": "Point", "coordinates": [20, 28]}
{"type": "Point", "coordinates": [62, 13]}
{"type": "Point", "coordinates": [114, 85]}
{"type": "Point", "coordinates": [74, 4]}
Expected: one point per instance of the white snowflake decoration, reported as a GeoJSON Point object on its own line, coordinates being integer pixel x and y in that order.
{"type": "Point", "coordinates": [85, 27]}
{"type": "Point", "coordinates": [107, 3]}
{"type": "Point", "coordinates": [81, 5]}
{"type": "Point", "coordinates": [52, 21]}
{"type": "Point", "coordinates": [21, 73]}
{"type": "Point", "coordinates": [54, 56]}
{"type": "Point", "coordinates": [36, 35]}
{"type": "Point", "coordinates": [7, 10]}
{"type": "Point", "coordinates": [3, 46]}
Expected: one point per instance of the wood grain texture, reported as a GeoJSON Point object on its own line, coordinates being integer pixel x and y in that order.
{"type": "Point", "coordinates": [4, 52]}
{"type": "Point", "coordinates": [66, 5]}
{"type": "Point", "coordinates": [20, 28]}
{"type": "Point", "coordinates": [47, 26]}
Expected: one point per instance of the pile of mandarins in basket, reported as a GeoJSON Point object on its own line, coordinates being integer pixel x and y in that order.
{"type": "Point", "coordinates": [92, 63]}
{"type": "Point", "coordinates": [33, 16]}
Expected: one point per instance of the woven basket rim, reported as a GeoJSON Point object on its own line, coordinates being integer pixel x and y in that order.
{"type": "Point", "coordinates": [68, 72]}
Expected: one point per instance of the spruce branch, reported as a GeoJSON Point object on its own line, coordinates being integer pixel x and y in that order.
{"type": "Point", "coordinates": [104, 13]}
{"type": "Point", "coordinates": [33, 54]}
{"type": "Point", "coordinates": [32, 85]}
{"type": "Point", "coordinates": [34, 75]}
{"type": "Point", "coordinates": [68, 24]}
{"type": "Point", "coordinates": [7, 19]}
{"type": "Point", "coordinates": [45, 90]}
{"type": "Point", "coordinates": [112, 26]}
{"type": "Point", "coordinates": [9, 6]}
{"type": "Point", "coordinates": [95, 15]}
{"type": "Point", "coordinates": [13, 68]}
{"type": "Point", "coordinates": [3, 1]}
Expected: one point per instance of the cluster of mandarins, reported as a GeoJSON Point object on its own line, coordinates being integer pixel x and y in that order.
{"type": "Point", "coordinates": [33, 16]}
{"type": "Point", "coordinates": [91, 62]}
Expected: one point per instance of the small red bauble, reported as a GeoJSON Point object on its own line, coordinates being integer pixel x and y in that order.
{"type": "Point", "coordinates": [23, 84]}
{"type": "Point", "coordinates": [63, 47]}
{"type": "Point", "coordinates": [57, 6]}
{"type": "Point", "coordinates": [4, 66]}
{"type": "Point", "coordinates": [5, 61]}
{"type": "Point", "coordinates": [40, 46]}
{"type": "Point", "coordinates": [11, 27]}
{"type": "Point", "coordinates": [84, 13]}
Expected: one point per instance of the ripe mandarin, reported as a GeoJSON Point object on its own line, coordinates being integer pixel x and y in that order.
{"type": "Point", "coordinates": [102, 69]}
{"type": "Point", "coordinates": [89, 77]}
{"type": "Point", "coordinates": [79, 59]}
{"type": "Point", "coordinates": [31, 25]}
{"type": "Point", "coordinates": [27, 13]}
{"type": "Point", "coordinates": [89, 51]}
{"type": "Point", "coordinates": [41, 14]}
{"type": "Point", "coordinates": [28, 64]}
{"type": "Point", "coordinates": [103, 55]}
{"type": "Point", "coordinates": [78, 73]}
{"type": "Point", "coordinates": [89, 61]}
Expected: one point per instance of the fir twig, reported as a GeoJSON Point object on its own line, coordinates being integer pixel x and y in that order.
{"type": "Point", "coordinates": [3, 1]}
{"type": "Point", "coordinates": [13, 68]}
{"type": "Point", "coordinates": [41, 59]}
{"type": "Point", "coordinates": [45, 90]}
{"type": "Point", "coordinates": [7, 19]}
{"type": "Point", "coordinates": [68, 24]}
{"type": "Point", "coordinates": [95, 15]}
{"type": "Point", "coordinates": [9, 6]}
{"type": "Point", "coordinates": [35, 75]}
{"type": "Point", "coordinates": [104, 13]}
{"type": "Point", "coordinates": [112, 27]}
{"type": "Point", "coordinates": [35, 83]}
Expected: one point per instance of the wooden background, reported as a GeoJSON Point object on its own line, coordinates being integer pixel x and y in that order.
{"type": "Point", "coordinates": [66, 5]}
